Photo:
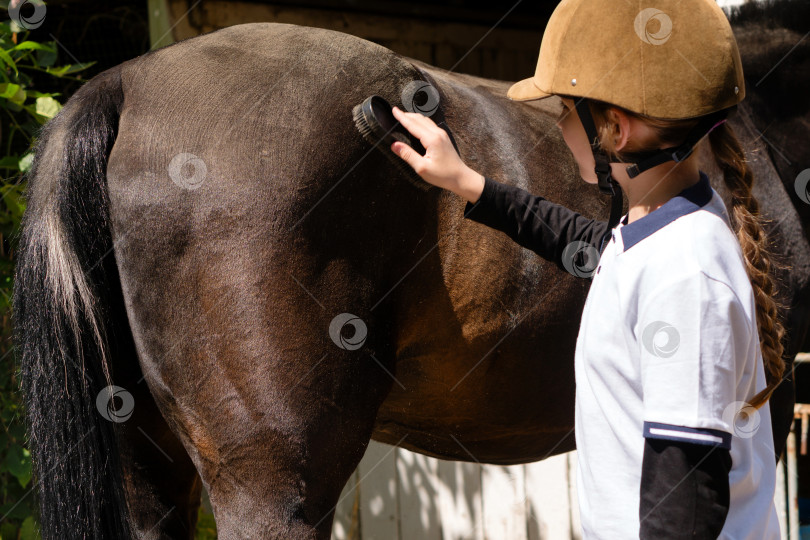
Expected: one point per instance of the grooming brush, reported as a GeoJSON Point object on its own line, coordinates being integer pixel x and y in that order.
{"type": "Point", "coordinates": [378, 126]}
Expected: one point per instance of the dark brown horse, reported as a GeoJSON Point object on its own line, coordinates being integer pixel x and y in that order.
{"type": "Point", "coordinates": [273, 293]}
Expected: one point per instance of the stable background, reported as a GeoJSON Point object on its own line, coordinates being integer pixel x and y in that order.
{"type": "Point", "coordinates": [394, 493]}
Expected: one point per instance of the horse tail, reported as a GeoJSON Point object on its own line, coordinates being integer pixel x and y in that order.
{"type": "Point", "coordinates": [63, 274]}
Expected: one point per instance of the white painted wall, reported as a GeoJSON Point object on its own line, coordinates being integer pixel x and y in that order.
{"type": "Point", "coordinates": [399, 495]}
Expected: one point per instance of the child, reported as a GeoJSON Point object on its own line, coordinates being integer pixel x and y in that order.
{"type": "Point", "coordinates": [679, 328]}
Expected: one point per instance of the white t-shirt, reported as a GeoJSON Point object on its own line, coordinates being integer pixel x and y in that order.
{"type": "Point", "coordinates": [668, 348]}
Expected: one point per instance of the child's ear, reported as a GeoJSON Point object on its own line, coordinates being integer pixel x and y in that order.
{"type": "Point", "coordinates": [621, 127]}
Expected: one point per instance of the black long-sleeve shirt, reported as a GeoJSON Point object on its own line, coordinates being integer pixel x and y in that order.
{"type": "Point", "coordinates": [684, 486]}
{"type": "Point", "coordinates": [534, 222]}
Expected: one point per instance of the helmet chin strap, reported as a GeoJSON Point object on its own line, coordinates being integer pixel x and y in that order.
{"type": "Point", "coordinates": [607, 184]}
{"type": "Point", "coordinates": [643, 160]}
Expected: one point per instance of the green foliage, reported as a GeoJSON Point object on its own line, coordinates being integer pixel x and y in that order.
{"type": "Point", "coordinates": [23, 110]}
{"type": "Point", "coordinates": [206, 527]}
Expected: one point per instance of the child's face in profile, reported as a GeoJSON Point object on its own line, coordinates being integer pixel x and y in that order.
{"type": "Point", "coordinates": [577, 140]}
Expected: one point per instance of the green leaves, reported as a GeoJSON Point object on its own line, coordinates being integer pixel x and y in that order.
{"type": "Point", "coordinates": [46, 53]}
{"type": "Point", "coordinates": [16, 499]}
{"type": "Point", "coordinates": [6, 59]}
{"type": "Point", "coordinates": [47, 107]}
{"type": "Point", "coordinates": [12, 208]}
{"type": "Point", "coordinates": [17, 164]}
{"type": "Point", "coordinates": [13, 92]}
{"type": "Point", "coordinates": [43, 108]}
{"type": "Point", "coordinates": [18, 463]}
{"type": "Point", "coordinates": [206, 526]}
{"type": "Point", "coordinates": [33, 45]}
{"type": "Point", "coordinates": [69, 69]}
{"type": "Point", "coordinates": [25, 162]}
{"type": "Point", "coordinates": [29, 530]}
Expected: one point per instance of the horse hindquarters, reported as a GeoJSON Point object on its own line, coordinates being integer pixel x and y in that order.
{"type": "Point", "coordinates": [275, 410]}
{"type": "Point", "coordinates": [66, 302]}
{"type": "Point", "coordinates": [240, 236]}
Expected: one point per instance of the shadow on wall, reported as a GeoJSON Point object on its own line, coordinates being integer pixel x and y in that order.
{"type": "Point", "coordinates": [398, 494]}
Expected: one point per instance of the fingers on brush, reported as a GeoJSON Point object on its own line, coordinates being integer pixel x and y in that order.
{"type": "Point", "coordinates": [414, 123]}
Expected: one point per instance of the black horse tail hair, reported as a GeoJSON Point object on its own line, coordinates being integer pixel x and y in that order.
{"type": "Point", "coordinates": [60, 305]}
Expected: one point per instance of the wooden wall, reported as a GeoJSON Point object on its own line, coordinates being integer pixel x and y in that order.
{"type": "Point", "coordinates": [399, 495]}
{"type": "Point", "coordinates": [395, 494]}
{"type": "Point", "coordinates": [463, 43]}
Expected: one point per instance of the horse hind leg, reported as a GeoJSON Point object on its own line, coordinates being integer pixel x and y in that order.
{"type": "Point", "coordinates": [161, 483]}
{"type": "Point", "coordinates": [274, 410]}
{"type": "Point", "coordinates": [163, 487]}
{"type": "Point", "coordinates": [283, 476]}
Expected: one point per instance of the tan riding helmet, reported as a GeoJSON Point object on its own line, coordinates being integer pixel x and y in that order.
{"type": "Point", "coordinates": [669, 59]}
{"type": "Point", "coordinates": [675, 60]}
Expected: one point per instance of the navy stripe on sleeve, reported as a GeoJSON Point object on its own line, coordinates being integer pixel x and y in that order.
{"type": "Point", "coordinates": [711, 437]}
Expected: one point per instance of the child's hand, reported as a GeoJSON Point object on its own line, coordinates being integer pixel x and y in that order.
{"type": "Point", "coordinates": [441, 164]}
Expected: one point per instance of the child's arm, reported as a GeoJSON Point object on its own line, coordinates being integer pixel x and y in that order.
{"type": "Point", "coordinates": [532, 221]}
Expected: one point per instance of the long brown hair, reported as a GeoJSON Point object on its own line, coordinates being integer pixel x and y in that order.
{"type": "Point", "coordinates": [745, 218]}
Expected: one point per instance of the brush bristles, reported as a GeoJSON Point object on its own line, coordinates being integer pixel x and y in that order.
{"type": "Point", "coordinates": [368, 134]}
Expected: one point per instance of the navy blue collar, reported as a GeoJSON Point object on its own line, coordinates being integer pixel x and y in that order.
{"type": "Point", "coordinates": [685, 202]}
